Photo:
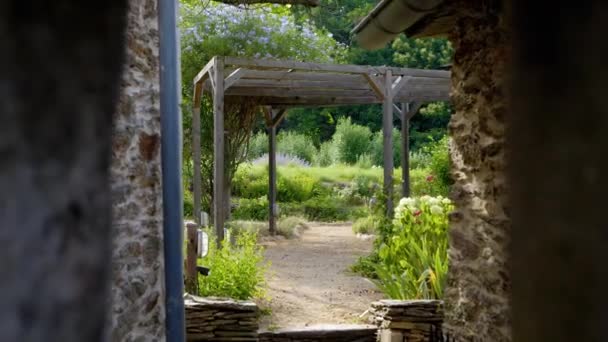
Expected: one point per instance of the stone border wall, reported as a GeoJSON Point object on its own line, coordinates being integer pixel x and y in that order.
{"type": "Point", "coordinates": [323, 333]}
{"type": "Point", "coordinates": [407, 320]}
{"type": "Point", "coordinates": [210, 319]}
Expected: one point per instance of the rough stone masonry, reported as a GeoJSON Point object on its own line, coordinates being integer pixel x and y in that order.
{"type": "Point", "coordinates": [138, 272]}
{"type": "Point", "coordinates": [477, 294]}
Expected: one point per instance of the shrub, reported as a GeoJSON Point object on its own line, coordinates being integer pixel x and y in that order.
{"type": "Point", "coordinates": [296, 187]}
{"type": "Point", "coordinates": [352, 140]}
{"type": "Point", "coordinates": [296, 144]}
{"type": "Point", "coordinates": [328, 154]}
{"type": "Point", "coordinates": [325, 209]}
{"type": "Point", "coordinates": [419, 160]}
{"type": "Point", "coordinates": [440, 160]}
{"type": "Point", "coordinates": [291, 226]}
{"type": "Point", "coordinates": [237, 272]}
{"type": "Point", "coordinates": [413, 261]}
{"type": "Point", "coordinates": [288, 226]}
{"type": "Point", "coordinates": [251, 209]}
{"type": "Point", "coordinates": [258, 146]}
{"type": "Point", "coordinates": [423, 182]}
{"type": "Point", "coordinates": [377, 148]}
{"type": "Point", "coordinates": [365, 161]}
{"type": "Point", "coordinates": [365, 225]}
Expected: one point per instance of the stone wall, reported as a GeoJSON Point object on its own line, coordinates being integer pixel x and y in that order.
{"type": "Point", "coordinates": [407, 320]}
{"type": "Point", "coordinates": [138, 271]}
{"type": "Point", "coordinates": [210, 319]}
{"type": "Point", "coordinates": [323, 333]}
{"type": "Point", "coordinates": [477, 294]}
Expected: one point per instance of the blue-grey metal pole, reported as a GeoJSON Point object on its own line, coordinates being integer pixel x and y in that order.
{"type": "Point", "coordinates": [171, 141]}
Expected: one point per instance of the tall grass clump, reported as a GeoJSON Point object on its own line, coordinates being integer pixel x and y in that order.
{"type": "Point", "coordinates": [237, 271]}
{"type": "Point", "coordinates": [413, 259]}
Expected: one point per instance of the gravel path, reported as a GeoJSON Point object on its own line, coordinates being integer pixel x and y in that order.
{"type": "Point", "coordinates": [310, 282]}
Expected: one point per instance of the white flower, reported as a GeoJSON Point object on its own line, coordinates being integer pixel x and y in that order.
{"type": "Point", "coordinates": [446, 201]}
{"type": "Point", "coordinates": [407, 201]}
{"type": "Point", "coordinates": [436, 210]}
{"type": "Point", "coordinates": [413, 209]}
{"type": "Point", "coordinates": [425, 198]}
{"type": "Point", "coordinates": [434, 201]}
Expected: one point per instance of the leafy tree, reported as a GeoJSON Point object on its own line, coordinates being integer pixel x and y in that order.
{"type": "Point", "coordinates": [268, 31]}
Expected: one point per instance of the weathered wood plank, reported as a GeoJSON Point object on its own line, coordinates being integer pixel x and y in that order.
{"type": "Point", "coordinates": [387, 143]}
{"type": "Point", "coordinates": [272, 178]}
{"type": "Point", "coordinates": [303, 84]}
{"type": "Point", "coordinates": [233, 77]}
{"type": "Point", "coordinates": [196, 162]}
{"type": "Point", "coordinates": [203, 74]}
{"type": "Point", "coordinates": [405, 151]}
{"type": "Point", "coordinates": [191, 256]}
{"type": "Point", "coordinates": [295, 92]}
{"type": "Point", "coordinates": [356, 69]}
{"type": "Point", "coordinates": [218, 149]}
{"type": "Point", "coordinates": [376, 86]}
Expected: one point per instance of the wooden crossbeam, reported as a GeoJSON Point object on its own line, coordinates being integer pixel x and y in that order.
{"type": "Point", "coordinates": [203, 73]}
{"type": "Point", "coordinates": [303, 84]}
{"type": "Point", "coordinates": [233, 77]}
{"type": "Point", "coordinates": [295, 92]}
{"type": "Point", "coordinates": [376, 86]}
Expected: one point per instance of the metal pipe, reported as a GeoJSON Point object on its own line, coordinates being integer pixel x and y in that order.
{"type": "Point", "coordinates": [171, 154]}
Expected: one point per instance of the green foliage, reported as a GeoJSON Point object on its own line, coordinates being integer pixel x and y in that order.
{"type": "Point", "coordinates": [296, 144]}
{"type": "Point", "coordinates": [325, 209]}
{"type": "Point", "coordinates": [251, 209]}
{"type": "Point", "coordinates": [413, 260]}
{"type": "Point", "coordinates": [290, 226]}
{"type": "Point", "coordinates": [237, 272]}
{"type": "Point", "coordinates": [427, 53]}
{"type": "Point", "coordinates": [297, 188]}
{"type": "Point", "coordinates": [327, 155]}
{"type": "Point", "coordinates": [377, 148]}
{"type": "Point", "coordinates": [365, 161]}
{"type": "Point", "coordinates": [292, 186]}
{"type": "Point", "coordinates": [258, 146]}
{"type": "Point", "coordinates": [365, 225]}
{"type": "Point", "coordinates": [352, 140]}
{"type": "Point", "coordinates": [440, 160]}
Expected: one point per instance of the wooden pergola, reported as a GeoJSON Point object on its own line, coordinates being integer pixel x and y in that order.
{"type": "Point", "coordinates": [280, 85]}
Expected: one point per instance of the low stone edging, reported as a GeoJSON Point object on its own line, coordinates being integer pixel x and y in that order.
{"type": "Point", "coordinates": [407, 320]}
{"type": "Point", "coordinates": [214, 319]}
{"type": "Point", "coordinates": [323, 333]}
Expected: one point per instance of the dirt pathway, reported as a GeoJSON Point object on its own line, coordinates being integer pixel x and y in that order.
{"type": "Point", "coordinates": [310, 282]}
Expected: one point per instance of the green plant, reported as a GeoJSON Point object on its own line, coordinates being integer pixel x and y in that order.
{"type": "Point", "coordinates": [258, 146]}
{"type": "Point", "coordinates": [296, 144]}
{"type": "Point", "coordinates": [365, 225]}
{"type": "Point", "coordinates": [328, 154]}
{"type": "Point", "coordinates": [325, 209]}
{"type": "Point", "coordinates": [251, 209]}
{"type": "Point", "coordinates": [377, 148]}
{"type": "Point", "coordinates": [413, 260]}
{"type": "Point", "coordinates": [237, 272]}
{"type": "Point", "coordinates": [440, 160]}
{"type": "Point", "coordinates": [290, 226]}
{"type": "Point", "coordinates": [352, 140]}
{"type": "Point", "coordinates": [365, 161]}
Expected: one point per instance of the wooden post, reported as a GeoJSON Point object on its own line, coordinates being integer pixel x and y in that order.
{"type": "Point", "coordinates": [218, 148]}
{"type": "Point", "coordinates": [191, 257]}
{"type": "Point", "coordinates": [405, 150]}
{"type": "Point", "coordinates": [272, 178]}
{"type": "Point", "coordinates": [387, 130]}
{"type": "Point", "coordinates": [196, 155]}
